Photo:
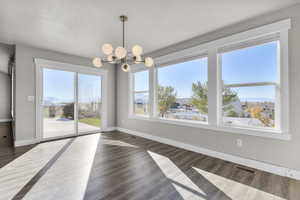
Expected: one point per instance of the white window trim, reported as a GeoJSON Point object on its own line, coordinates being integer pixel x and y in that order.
{"type": "Point", "coordinates": [183, 58]}
{"type": "Point", "coordinates": [276, 83]}
{"type": "Point", "coordinates": [137, 68]}
{"type": "Point", "coordinates": [210, 49]}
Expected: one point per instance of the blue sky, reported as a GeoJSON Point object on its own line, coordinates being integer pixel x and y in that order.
{"type": "Point", "coordinates": [181, 76]}
{"type": "Point", "coordinates": [255, 64]}
{"type": "Point", "coordinates": [142, 80]}
{"type": "Point", "coordinates": [59, 85]}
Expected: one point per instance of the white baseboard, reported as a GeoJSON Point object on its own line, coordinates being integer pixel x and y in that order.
{"type": "Point", "coordinates": [20, 143]}
{"type": "Point", "coordinates": [108, 129]}
{"type": "Point", "coordinates": [35, 141]}
{"type": "Point", "coordinates": [282, 171]}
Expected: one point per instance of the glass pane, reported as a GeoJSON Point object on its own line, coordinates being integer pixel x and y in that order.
{"type": "Point", "coordinates": [182, 91]}
{"type": "Point", "coordinates": [253, 64]}
{"type": "Point", "coordinates": [141, 81]}
{"type": "Point", "coordinates": [58, 103]}
{"type": "Point", "coordinates": [89, 102]}
{"type": "Point", "coordinates": [249, 106]}
{"type": "Point", "coordinates": [141, 104]}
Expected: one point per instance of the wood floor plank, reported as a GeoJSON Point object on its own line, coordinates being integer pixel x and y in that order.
{"type": "Point", "coordinates": [120, 166]}
{"type": "Point", "coordinates": [15, 175]}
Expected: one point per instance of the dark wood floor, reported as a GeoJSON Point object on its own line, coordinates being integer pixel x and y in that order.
{"type": "Point", "coordinates": [129, 167]}
{"type": "Point", "coordinates": [8, 154]}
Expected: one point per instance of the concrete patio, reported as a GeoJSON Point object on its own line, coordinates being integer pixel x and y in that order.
{"type": "Point", "coordinates": [56, 127]}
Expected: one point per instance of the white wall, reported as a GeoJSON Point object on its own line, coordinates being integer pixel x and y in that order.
{"type": "Point", "coordinates": [5, 95]}
{"type": "Point", "coordinates": [273, 151]}
{"type": "Point", "coordinates": [25, 86]}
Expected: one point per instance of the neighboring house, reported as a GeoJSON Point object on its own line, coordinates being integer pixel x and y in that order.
{"type": "Point", "coordinates": [269, 109]}
{"type": "Point", "coordinates": [234, 107]}
{"type": "Point", "coordinates": [243, 121]}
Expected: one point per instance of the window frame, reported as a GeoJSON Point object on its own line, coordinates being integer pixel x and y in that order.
{"type": "Point", "coordinates": [132, 92]}
{"type": "Point", "coordinates": [211, 50]}
{"type": "Point", "coordinates": [276, 84]}
{"type": "Point", "coordinates": [201, 55]}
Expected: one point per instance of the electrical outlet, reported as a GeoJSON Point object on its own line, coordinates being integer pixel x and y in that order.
{"type": "Point", "coordinates": [239, 142]}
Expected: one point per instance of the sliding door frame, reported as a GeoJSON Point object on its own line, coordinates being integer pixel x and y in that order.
{"type": "Point", "coordinates": [77, 69]}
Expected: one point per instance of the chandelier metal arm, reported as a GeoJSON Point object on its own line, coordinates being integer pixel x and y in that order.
{"type": "Point", "coordinates": [131, 60]}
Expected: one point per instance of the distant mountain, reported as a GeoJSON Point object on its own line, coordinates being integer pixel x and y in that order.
{"type": "Point", "coordinates": [50, 100]}
{"type": "Point", "coordinates": [257, 100]}
{"type": "Point", "coordinates": [188, 100]}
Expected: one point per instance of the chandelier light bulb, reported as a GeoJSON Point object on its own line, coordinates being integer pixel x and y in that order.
{"type": "Point", "coordinates": [149, 62]}
{"type": "Point", "coordinates": [107, 49]}
{"type": "Point", "coordinates": [125, 67]}
{"type": "Point", "coordinates": [137, 50]}
{"type": "Point", "coordinates": [120, 52]}
{"type": "Point", "coordinates": [97, 62]}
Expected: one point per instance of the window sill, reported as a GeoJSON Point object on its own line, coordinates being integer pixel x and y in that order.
{"type": "Point", "coordinates": [266, 133]}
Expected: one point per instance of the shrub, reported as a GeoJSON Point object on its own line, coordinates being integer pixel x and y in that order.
{"type": "Point", "coordinates": [68, 111]}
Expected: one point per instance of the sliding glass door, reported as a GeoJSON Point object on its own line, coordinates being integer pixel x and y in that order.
{"type": "Point", "coordinates": [71, 103]}
{"type": "Point", "coordinates": [89, 103]}
{"type": "Point", "coordinates": [58, 103]}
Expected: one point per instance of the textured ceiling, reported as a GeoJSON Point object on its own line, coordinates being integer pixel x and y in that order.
{"type": "Point", "coordinates": [80, 27]}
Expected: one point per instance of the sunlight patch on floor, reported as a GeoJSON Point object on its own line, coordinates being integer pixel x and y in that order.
{"type": "Point", "coordinates": [68, 177]}
{"type": "Point", "coordinates": [236, 190]}
{"type": "Point", "coordinates": [15, 175]}
{"type": "Point", "coordinates": [117, 143]}
{"type": "Point", "coordinates": [183, 185]}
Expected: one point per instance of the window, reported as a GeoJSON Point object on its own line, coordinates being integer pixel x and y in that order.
{"type": "Point", "coordinates": [141, 93]}
{"type": "Point", "coordinates": [236, 84]}
{"type": "Point", "coordinates": [249, 78]}
{"type": "Point", "coordinates": [182, 91]}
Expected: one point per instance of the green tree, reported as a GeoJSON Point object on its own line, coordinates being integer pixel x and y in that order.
{"type": "Point", "coordinates": [200, 97]}
{"type": "Point", "coordinates": [229, 96]}
{"type": "Point", "coordinates": [166, 98]}
{"type": "Point", "coordinates": [232, 113]}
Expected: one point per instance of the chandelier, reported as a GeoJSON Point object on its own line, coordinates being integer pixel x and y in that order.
{"type": "Point", "coordinates": [121, 55]}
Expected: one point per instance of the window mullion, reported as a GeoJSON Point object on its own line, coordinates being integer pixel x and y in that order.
{"type": "Point", "coordinates": [153, 92]}
{"type": "Point", "coordinates": [213, 88]}
{"type": "Point", "coordinates": [250, 84]}
{"type": "Point", "coordinates": [282, 92]}
{"type": "Point", "coordinates": [144, 91]}
{"type": "Point", "coordinates": [131, 93]}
